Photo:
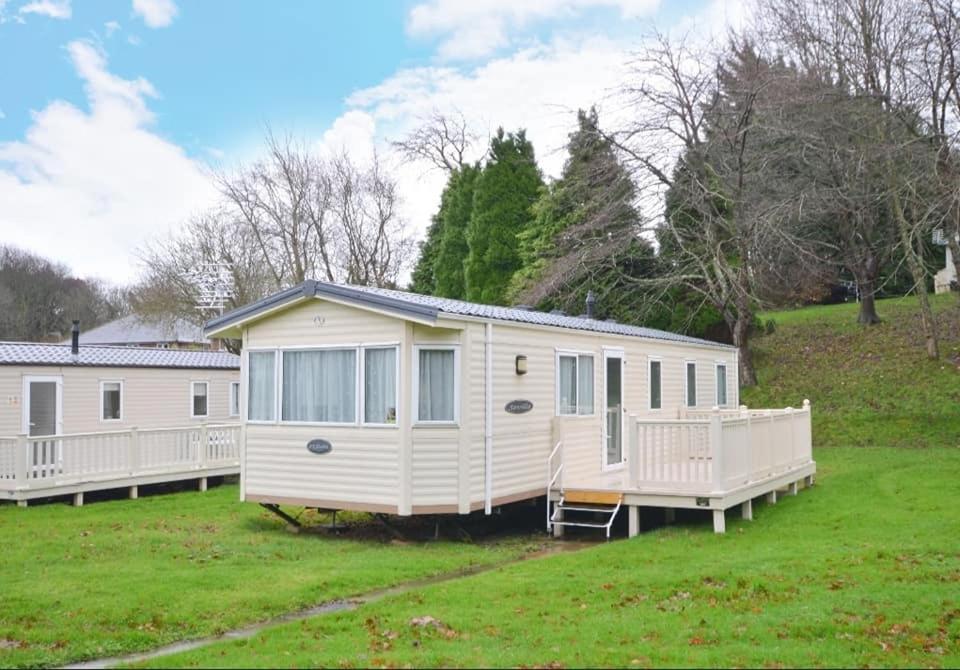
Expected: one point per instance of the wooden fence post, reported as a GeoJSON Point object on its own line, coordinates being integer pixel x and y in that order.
{"type": "Point", "coordinates": [716, 450]}
{"type": "Point", "coordinates": [20, 462]}
{"type": "Point", "coordinates": [134, 451]}
{"type": "Point", "coordinates": [202, 447]}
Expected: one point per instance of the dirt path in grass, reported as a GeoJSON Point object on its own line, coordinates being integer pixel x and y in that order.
{"type": "Point", "coordinates": [328, 608]}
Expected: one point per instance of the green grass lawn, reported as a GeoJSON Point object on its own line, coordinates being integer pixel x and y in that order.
{"type": "Point", "coordinates": [869, 385]}
{"type": "Point", "coordinates": [121, 576]}
{"type": "Point", "coordinates": [862, 570]}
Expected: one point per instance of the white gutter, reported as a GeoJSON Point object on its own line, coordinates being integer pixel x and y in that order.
{"type": "Point", "coordinates": [488, 420]}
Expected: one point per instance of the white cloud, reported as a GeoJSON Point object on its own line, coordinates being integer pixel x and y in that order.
{"type": "Point", "coordinates": [89, 187]}
{"type": "Point", "coordinates": [111, 27]}
{"type": "Point", "coordinates": [55, 9]}
{"type": "Point", "coordinates": [478, 28]}
{"type": "Point", "coordinates": [156, 13]}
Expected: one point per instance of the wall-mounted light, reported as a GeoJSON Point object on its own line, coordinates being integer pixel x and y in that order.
{"type": "Point", "coordinates": [521, 364]}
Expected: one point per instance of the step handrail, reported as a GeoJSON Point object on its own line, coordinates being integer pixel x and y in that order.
{"type": "Point", "coordinates": [552, 476]}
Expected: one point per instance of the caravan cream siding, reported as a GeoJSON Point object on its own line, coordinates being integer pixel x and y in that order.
{"type": "Point", "coordinates": [362, 471]}
{"type": "Point", "coordinates": [151, 397]}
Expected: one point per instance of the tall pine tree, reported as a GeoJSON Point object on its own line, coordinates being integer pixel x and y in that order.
{"type": "Point", "coordinates": [505, 191]}
{"type": "Point", "coordinates": [423, 277]}
{"type": "Point", "coordinates": [449, 275]}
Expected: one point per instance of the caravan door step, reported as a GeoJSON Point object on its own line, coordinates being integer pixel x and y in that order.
{"type": "Point", "coordinates": [590, 502]}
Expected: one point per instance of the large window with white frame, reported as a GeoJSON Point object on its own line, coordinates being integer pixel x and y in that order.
{"type": "Point", "coordinates": [655, 376]}
{"type": "Point", "coordinates": [690, 383]}
{"type": "Point", "coordinates": [380, 385]}
{"type": "Point", "coordinates": [199, 400]}
{"type": "Point", "coordinates": [721, 384]}
{"type": "Point", "coordinates": [261, 386]}
{"type": "Point", "coordinates": [234, 398]}
{"type": "Point", "coordinates": [111, 400]}
{"type": "Point", "coordinates": [575, 394]}
{"type": "Point", "coordinates": [319, 386]}
{"type": "Point", "coordinates": [436, 386]}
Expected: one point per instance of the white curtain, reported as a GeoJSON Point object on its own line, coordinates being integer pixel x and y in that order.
{"type": "Point", "coordinates": [568, 384]}
{"type": "Point", "coordinates": [655, 401]}
{"type": "Point", "coordinates": [380, 385]}
{"type": "Point", "coordinates": [200, 399]}
{"type": "Point", "coordinates": [436, 385]}
{"type": "Point", "coordinates": [111, 400]}
{"type": "Point", "coordinates": [320, 385]}
{"type": "Point", "coordinates": [585, 385]}
{"type": "Point", "coordinates": [261, 394]}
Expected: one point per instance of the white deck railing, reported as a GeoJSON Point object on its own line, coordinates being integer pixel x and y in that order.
{"type": "Point", "coordinates": [116, 458]}
{"type": "Point", "coordinates": [717, 451]}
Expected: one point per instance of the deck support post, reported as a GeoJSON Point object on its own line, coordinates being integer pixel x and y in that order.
{"type": "Point", "coordinates": [772, 497]}
{"type": "Point", "coordinates": [634, 521]}
{"type": "Point", "coordinates": [746, 508]}
{"type": "Point", "coordinates": [134, 492]}
{"type": "Point", "coordinates": [203, 484]}
{"type": "Point", "coordinates": [669, 515]}
{"type": "Point", "coordinates": [22, 503]}
{"type": "Point", "coordinates": [558, 516]}
{"type": "Point", "coordinates": [719, 521]}
{"type": "Point", "coordinates": [793, 488]}
{"type": "Point", "coordinates": [78, 499]}
{"type": "Point", "coordinates": [808, 481]}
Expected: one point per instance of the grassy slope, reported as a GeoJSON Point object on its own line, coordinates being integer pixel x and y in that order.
{"type": "Point", "coordinates": [862, 570]}
{"type": "Point", "coordinates": [868, 385]}
{"type": "Point", "coordinates": [120, 576]}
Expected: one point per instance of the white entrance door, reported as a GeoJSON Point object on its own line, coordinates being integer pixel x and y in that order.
{"type": "Point", "coordinates": [613, 409]}
{"type": "Point", "coordinates": [42, 405]}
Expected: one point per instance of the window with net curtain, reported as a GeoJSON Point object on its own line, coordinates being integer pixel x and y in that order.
{"type": "Point", "coordinates": [576, 384]}
{"type": "Point", "coordinates": [656, 400]}
{"type": "Point", "coordinates": [261, 392]}
{"type": "Point", "coordinates": [199, 399]}
{"type": "Point", "coordinates": [721, 385]}
{"type": "Point", "coordinates": [691, 384]}
{"type": "Point", "coordinates": [436, 385]}
{"type": "Point", "coordinates": [380, 385]}
{"type": "Point", "coordinates": [111, 401]}
{"type": "Point", "coordinates": [319, 386]}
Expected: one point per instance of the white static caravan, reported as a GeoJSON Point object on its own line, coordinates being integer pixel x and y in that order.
{"type": "Point", "coordinates": [384, 401]}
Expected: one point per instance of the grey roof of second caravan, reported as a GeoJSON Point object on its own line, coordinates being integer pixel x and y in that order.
{"type": "Point", "coordinates": [133, 329]}
{"type": "Point", "coordinates": [33, 353]}
{"type": "Point", "coordinates": [415, 305]}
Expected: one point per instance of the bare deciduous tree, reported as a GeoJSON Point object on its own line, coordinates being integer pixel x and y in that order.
{"type": "Point", "coordinates": [442, 140]}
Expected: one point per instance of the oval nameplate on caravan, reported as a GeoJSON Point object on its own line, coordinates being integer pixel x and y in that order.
{"type": "Point", "coordinates": [518, 406]}
{"type": "Point", "coordinates": [319, 446]}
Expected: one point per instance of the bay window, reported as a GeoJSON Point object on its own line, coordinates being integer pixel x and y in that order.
{"type": "Point", "coordinates": [380, 385]}
{"type": "Point", "coordinates": [261, 386]}
{"type": "Point", "coordinates": [436, 384]}
{"type": "Point", "coordinates": [320, 386]}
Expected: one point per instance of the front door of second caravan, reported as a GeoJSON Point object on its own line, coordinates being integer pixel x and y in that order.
{"type": "Point", "coordinates": [613, 409]}
{"type": "Point", "coordinates": [42, 405]}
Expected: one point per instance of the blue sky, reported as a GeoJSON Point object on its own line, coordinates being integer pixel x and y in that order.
{"type": "Point", "coordinates": [114, 112]}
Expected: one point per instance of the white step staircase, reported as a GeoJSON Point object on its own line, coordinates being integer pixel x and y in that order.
{"type": "Point", "coordinates": [586, 509]}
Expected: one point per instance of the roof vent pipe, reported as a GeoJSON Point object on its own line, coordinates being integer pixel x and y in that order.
{"type": "Point", "coordinates": [591, 303]}
{"type": "Point", "coordinates": [75, 338]}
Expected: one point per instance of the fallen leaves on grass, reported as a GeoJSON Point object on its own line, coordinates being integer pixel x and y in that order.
{"type": "Point", "coordinates": [429, 622]}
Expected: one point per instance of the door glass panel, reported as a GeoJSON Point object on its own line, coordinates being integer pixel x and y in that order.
{"type": "Point", "coordinates": [43, 408]}
{"type": "Point", "coordinates": [614, 408]}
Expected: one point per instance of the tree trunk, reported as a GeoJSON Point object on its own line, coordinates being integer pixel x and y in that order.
{"type": "Point", "coordinates": [741, 337]}
{"type": "Point", "coordinates": [954, 247]}
{"type": "Point", "coordinates": [919, 275]}
{"type": "Point", "coordinates": [865, 274]}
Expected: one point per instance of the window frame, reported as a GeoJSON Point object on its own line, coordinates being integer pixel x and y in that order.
{"type": "Point", "coordinates": [230, 411]}
{"type": "Point", "coordinates": [686, 385]}
{"type": "Point", "coordinates": [415, 383]}
{"type": "Point", "coordinates": [726, 384]}
{"type": "Point", "coordinates": [650, 361]}
{"type": "Point", "coordinates": [575, 354]}
{"type": "Point", "coordinates": [193, 383]}
{"type": "Point", "coordinates": [362, 384]}
{"type": "Point", "coordinates": [103, 382]}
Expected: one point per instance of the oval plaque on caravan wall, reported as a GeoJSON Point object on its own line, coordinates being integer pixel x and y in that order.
{"type": "Point", "coordinates": [518, 406]}
{"type": "Point", "coordinates": [319, 446]}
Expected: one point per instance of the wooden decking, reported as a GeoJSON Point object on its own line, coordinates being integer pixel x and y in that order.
{"type": "Point", "coordinates": [711, 460]}
{"type": "Point", "coordinates": [39, 467]}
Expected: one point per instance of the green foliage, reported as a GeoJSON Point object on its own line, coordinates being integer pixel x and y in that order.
{"type": "Point", "coordinates": [423, 277]}
{"type": "Point", "coordinates": [455, 209]}
{"type": "Point", "coordinates": [505, 192]}
{"type": "Point", "coordinates": [859, 571]}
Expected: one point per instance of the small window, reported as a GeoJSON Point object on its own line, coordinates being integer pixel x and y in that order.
{"type": "Point", "coordinates": [436, 385]}
{"type": "Point", "coordinates": [656, 396]}
{"type": "Point", "coordinates": [198, 405]}
{"type": "Point", "coordinates": [380, 385]}
{"type": "Point", "coordinates": [261, 386]}
{"type": "Point", "coordinates": [234, 398]}
{"type": "Point", "coordinates": [575, 385]}
{"type": "Point", "coordinates": [111, 398]}
{"type": "Point", "coordinates": [721, 385]}
{"type": "Point", "coordinates": [691, 384]}
{"type": "Point", "coordinates": [320, 386]}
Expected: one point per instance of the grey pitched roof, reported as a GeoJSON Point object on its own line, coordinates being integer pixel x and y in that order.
{"type": "Point", "coordinates": [31, 353]}
{"type": "Point", "coordinates": [133, 329]}
{"type": "Point", "coordinates": [428, 307]}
